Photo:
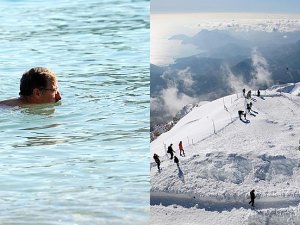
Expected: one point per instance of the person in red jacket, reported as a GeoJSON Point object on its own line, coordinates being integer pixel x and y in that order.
{"type": "Point", "coordinates": [181, 149]}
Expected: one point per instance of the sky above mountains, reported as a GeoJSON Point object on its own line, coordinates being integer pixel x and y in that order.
{"type": "Point", "coordinates": [254, 6]}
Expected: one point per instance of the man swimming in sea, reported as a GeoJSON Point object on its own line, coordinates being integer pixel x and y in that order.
{"type": "Point", "coordinates": [37, 86]}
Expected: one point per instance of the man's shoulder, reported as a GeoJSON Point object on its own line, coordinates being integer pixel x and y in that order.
{"type": "Point", "coordinates": [11, 102]}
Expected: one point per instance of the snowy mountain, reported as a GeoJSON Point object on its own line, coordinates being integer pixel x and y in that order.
{"type": "Point", "coordinates": [225, 56]}
{"type": "Point", "coordinates": [227, 157]}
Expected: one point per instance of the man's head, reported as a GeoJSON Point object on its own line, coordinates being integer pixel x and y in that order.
{"type": "Point", "coordinates": [39, 85]}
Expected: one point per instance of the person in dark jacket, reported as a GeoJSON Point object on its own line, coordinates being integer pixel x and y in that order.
{"type": "Point", "coordinates": [156, 159]}
{"type": "Point", "coordinates": [258, 93]}
{"type": "Point", "coordinates": [181, 149]}
{"type": "Point", "coordinates": [171, 151]}
{"type": "Point", "coordinates": [252, 196]}
{"type": "Point", "coordinates": [176, 160]}
{"type": "Point", "coordinates": [248, 107]}
{"type": "Point", "coordinates": [240, 112]}
{"type": "Point", "coordinates": [244, 92]}
{"type": "Point", "coordinates": [249, 94]}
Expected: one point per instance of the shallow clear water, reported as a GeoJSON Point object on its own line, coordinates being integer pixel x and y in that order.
{"type": "Point", "coordinates": [84, 161]}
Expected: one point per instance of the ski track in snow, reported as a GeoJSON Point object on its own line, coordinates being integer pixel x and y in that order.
{"type": "Point", "coordinates": [209, 204]}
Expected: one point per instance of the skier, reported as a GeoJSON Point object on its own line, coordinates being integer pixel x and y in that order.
{"type": "Point", "coordinates": [170, 150]}
{"type": "Point", "coordinates": [156, 159]}
{"type": "Point", "coordinates": [181, 149]}
{"type": "Point", "coordinates": [258, 93]}
{"type": "Point", "coordinates": [176, 160]}
{"type": "Point", "coordinates": [252, 196]}
{"type": "Point", "coordinates": [244, 92]}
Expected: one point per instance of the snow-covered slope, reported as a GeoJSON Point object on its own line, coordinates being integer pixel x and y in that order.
{"type": "Point", "coordinates": [162, 128]}
{"type": "Point", "coordinates": [227, 157]}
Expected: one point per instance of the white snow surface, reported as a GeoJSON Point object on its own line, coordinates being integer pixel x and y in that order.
{"type": "Point", "coordinates": [226, 158]}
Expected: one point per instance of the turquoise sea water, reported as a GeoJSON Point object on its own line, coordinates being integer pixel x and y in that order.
{"type": "Point", "coordinates": [84, 161]}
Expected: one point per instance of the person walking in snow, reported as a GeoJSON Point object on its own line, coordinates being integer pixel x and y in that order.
{"type": "Point", "coordinates": [171, 151]}
{"type": "Point", "coordinates": [248, 108]}
{"type": "Point", "coordinates": [240, 112]}
{"type": "Point", "coordinates": [258, 93]}
{"type": "Point", "coordinates": [252, 197]}
{"type": "Point", "coordinates": [156, 159]}
{"type": "Point", "coordinates": [244, 93]}
{"type": "Point", "coordinates": [176, 160]}
{"type": "Point", "coordinates": [181, 149]}
{"type": "Point", "coordinates": [249, 94]}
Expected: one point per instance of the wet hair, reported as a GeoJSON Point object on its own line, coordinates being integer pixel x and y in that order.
{"type": "Point", "coordinates": [38, 77]}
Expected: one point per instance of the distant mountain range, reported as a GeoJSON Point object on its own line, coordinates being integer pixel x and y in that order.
{"type": "Point", "coordinates": [241, 55]}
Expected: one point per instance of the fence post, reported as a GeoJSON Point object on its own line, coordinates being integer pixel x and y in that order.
{"type": "Point", "coordinates": [214, 126]}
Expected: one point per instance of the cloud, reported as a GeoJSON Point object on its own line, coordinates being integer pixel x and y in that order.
{"type": "Point", "coordinates": [171, 97]}
{"type": "Point", "coordinates": [173, 78]}
{"type": "Point", "coordinates": [155, 104]}
{"type": "Point", "coordinates": [174, 101]}
{"type": "Point", "coordinates": [261, 74]}
{"type": "Point", "coordinates": [186, 77]}
{"type": "Point", "coordinates": [234, 82]}
{"type": "Point", "coordinates": [252, 22]}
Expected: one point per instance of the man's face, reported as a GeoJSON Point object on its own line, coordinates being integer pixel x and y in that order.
{"type": "Point", "coordinates": [50, 94]}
